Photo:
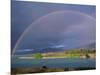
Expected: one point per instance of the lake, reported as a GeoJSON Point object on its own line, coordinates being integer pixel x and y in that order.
{"type": "Point", "coordinates": [53, 63]}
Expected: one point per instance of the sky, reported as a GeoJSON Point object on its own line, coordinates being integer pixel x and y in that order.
{"type": "Point", "coordinates": [51, 25]}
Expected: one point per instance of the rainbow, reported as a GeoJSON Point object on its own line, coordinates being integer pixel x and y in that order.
{"type": "Point", "coordinates": [33, 23]}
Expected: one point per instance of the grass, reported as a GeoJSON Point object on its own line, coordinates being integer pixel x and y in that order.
{"type": "Point", "coordinates": [74, 55]}
{"type": "Point", "coordinates": [65, 56]}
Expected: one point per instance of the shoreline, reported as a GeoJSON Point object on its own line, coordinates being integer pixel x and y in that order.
{"type": "Point", "coordinates": [54, 58]}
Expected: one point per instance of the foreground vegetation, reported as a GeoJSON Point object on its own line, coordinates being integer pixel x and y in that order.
{"type": "Point", "coordinates": [15, 71]}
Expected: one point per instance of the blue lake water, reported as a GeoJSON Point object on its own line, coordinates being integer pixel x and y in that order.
{"type": "Point", "coordinates": [53, 63]}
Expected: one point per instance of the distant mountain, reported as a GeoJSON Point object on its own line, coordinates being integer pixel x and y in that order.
{"type": "Point", "coordinates": [52, 50]}
{"type": "Point", "coordinates": [92, 45]}
{"type": "Point", "coordinates": [44, 50]}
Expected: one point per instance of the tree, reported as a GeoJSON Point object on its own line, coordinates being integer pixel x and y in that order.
{"type": "Point", "coordinates": [37, 56]}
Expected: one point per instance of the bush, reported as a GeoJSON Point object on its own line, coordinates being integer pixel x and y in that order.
{"type": "Point", "coordinates": [37, 56]}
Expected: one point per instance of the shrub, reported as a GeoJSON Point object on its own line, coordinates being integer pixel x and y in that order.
{"type": "Point", "coordinates": [37, 56]}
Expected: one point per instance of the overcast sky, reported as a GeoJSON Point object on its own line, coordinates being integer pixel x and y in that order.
{"type": "Point", "coordinates": [52, 25]}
